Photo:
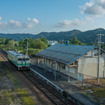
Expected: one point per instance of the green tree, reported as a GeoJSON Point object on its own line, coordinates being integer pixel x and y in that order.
{"type": "Point", "coordinates": [39, 44]}
{"type": "Point", "coordinates": [4, 40]}
{"type": "Point", "coordinates": [44, 40]}
{"type": "Point", "coordinates": [21, 42]}
{"type": "Point", "coordinates": [75, 41]}
{"type": "Point", "coordinates": [11, 44]}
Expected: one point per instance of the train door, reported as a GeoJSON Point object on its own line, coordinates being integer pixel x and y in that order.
{"type": "Point", "coordinates": [24, 62]}
{"type": "Point", "coordinates": [19, 62]}
{"type": "Point", "coordinates": [27, 61]}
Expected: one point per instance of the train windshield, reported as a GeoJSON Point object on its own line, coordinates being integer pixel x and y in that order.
{"type": "Point", "coordinates": [19, 59]}
{"type": "Point", "coordinates": [23, 59]}
{"type": "Point", "coordinates": [27, 58]}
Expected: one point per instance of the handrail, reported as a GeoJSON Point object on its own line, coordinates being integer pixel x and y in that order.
{"type": "Point", "coordinates": [47, 80]}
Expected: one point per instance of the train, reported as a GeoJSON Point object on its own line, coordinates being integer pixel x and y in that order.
{"type": "Point", "coordinates": [21, 61]}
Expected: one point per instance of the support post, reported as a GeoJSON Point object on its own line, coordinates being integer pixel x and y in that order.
{"type": "Point", "coordinates": [68, 75]}
{"type": "Point", "coordinates": [54, 62]}
{"type": "Point", "coordinates": [55, 74]}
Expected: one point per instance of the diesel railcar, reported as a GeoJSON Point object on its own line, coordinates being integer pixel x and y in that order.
{"type": "Point", "coordinates": [21, 61]}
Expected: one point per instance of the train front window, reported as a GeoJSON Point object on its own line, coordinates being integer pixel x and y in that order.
{"type": "Point", "coordinates": [23, 59]}
{"type": "Point", "coordinates": [27, 58]}
{"type": "Point", "coordinates": [19, 59]}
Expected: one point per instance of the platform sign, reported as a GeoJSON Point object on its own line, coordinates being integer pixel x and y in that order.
{"type": "Point", "coordinates": [80, 77]}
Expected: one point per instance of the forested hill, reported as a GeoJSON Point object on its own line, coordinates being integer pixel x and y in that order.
{"type": "Point", "coordinates": [85, 36]}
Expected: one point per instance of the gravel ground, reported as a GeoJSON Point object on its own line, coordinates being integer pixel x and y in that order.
{"type": "Point", "coordinates": [8, 87]}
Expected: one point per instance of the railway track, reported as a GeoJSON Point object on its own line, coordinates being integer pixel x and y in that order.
{"type": "Point", "coordinates": [49, 91]}
{"type": "Point", "coordinates": [52, 94]}
{"type": "Point", "coordinates": [2, 56]}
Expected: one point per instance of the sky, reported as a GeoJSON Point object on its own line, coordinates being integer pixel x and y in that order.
{"type": "Point", "coordinates": [35, 16]}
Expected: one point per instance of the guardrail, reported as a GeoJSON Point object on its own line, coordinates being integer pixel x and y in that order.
{"type": "Point", "coordinates": [48, 81]}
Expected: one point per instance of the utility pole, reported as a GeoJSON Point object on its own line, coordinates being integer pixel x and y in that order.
{"type": "Point", "coordinates": [27, 47]}
{"type": "Point", "coordinates": [13, 44]}
{"type": "Point", "coordinates": [99, 48]}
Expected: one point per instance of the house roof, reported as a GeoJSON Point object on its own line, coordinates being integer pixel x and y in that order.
{"type": "Point", "coordinates": [66, 54]}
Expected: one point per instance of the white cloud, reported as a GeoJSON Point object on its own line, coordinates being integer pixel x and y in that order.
{"type": "Point", "coordinates": [71, 23]}
{"type": "Point", "coordinates": [28, 19]}
{"type": "Point", "coordinates": [29, 23]}
{"type": "Point", "coordinates": [94, 7]}
{"type": "Point", "coordinates": [0, 18]}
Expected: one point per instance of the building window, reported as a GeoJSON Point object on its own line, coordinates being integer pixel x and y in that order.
{"type": "Point", "coordinates": [96, 54]}
{"type": "Point", "coordinates": [74, 63]}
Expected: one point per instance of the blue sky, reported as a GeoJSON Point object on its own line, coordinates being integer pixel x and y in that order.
{"type": "Point", "coordinates": [35, 16]}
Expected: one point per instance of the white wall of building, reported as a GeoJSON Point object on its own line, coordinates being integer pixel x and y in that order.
{"type": "Point", "coordinates": [88, 65]}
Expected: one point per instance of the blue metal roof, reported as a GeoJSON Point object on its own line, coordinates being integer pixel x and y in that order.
{"type": "Point", "coordinates": [66, 54]}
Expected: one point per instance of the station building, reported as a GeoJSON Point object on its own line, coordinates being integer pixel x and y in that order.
{"type": "Point", "coordinates": [76, 61]}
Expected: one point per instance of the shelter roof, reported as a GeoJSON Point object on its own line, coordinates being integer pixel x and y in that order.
{"type": "Point", "coordinates": [66, 54]}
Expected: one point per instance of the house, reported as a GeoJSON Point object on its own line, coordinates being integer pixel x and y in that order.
{"type": "Point", "coordinates": [76, 61]}
{"type": "Point", "coordinates": [52, 42]}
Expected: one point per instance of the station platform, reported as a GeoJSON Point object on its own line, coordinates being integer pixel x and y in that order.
{"type": "Point", "coordinates": [62, 82]}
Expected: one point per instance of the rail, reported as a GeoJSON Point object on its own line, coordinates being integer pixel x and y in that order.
{"type": "Point", "coordinates": [48, 81]}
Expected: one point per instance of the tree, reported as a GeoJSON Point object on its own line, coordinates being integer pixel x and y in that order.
{"type": "Point", "coordinates": [4, 40]}
{"type": "Point", "coordinates": [75, 41]}
{"type": "Point", "coordinates": [11, 44]}
{"type": "Point", "coordinates": [44, 40]}
{"type": "Point", "coordinates": [39, 44]}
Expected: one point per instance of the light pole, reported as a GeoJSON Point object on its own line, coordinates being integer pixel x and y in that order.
{"type": "Point", "coordinates": [27, 47]}
{"type": "Point", "coordinates": [13, 44]}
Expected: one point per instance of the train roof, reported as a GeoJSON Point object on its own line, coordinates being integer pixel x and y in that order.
{"type": "Point", "coordinates": [16, 53]}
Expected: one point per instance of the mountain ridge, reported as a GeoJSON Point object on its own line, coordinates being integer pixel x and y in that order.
{"type": "Point", "coordinates": [84, 36]}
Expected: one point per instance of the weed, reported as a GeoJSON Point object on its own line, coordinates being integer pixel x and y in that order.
{"type": "Point", "coordinates": [13, 78]}
{"type": "Point", "coordinates": [25, 98]}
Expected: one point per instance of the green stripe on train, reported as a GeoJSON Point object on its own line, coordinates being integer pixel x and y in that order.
{"type": "Point", "coordinates": [20, 63]}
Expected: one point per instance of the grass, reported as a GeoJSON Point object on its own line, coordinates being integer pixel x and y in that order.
{"type": "Point", "coordinates": [99, 92]}
{"type": "Point", "coordinates": [102, 80]}
{"type": "Point", "coordinates": [25, 98]}
{"type": "Point", "coordinates": [13, 78]}
{"type": "Point", "coordinates": [16, 95]}
{"type": "Point", "coordinates": [8, 96]}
